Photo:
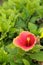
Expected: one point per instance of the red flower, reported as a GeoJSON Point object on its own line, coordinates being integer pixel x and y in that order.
{"type": "Point", "coordinates": [25, 40]}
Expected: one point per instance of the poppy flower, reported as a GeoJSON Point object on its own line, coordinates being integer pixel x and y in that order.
{"type": "Point", "coordinates": [25, 41]}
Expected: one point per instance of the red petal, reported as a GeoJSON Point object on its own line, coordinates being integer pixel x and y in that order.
{"type": "Point", "coordinates": [21, 40]}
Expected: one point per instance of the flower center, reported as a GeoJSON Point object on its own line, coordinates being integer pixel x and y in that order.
{"type": "Point", "coordinates": [28, 42]}
{"type": "Point", "coordinates": [28, 39]}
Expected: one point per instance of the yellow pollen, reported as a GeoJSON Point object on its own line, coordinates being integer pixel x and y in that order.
{"type": "Point", "coordinates": [28, 39]}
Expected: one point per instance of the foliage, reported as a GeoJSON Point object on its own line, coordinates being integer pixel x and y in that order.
{"type": "Point", "coordinates": [16, 16]}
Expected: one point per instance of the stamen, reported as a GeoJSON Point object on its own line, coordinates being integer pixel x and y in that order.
{"type": "Point", "coordinates": [28, 39]}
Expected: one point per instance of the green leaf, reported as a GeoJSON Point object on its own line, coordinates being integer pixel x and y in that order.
{"type": "Point", "coordinates": [24, 14]}
{"type": "Point", "coordinates": [0, 29]}
{"type": "Point", "coordinates": [37, 48]}
{"type": "Point", "coordinates": [26, 62]}
{"type": "Point", "coordinates": [33, 19]}
{"type": "Point", "coordinates": [11, 49]}
{"type": "Point", "coordinates": [20, 23]}
{"type": "Point", "coordinates": [3, 55]}
{"type": "Point", "coordinates": [5, 26]}
{"type": "Point", "coordinates": [4, 64]}
{"type": "Point", "coordinates": [40, 11]}
{"type": "Point", "coordinates": [32, 6]}
{"type": "Point", "coordinates": [40, 29]}
{"type": "Point", "coordinates": [3, 36]}
{"type": "Point", "coordinates": [33, 28]}
{"type": "Point", "coordinates": [12, 63]}
{"type": "Point", "coordinates": [37, 56]}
